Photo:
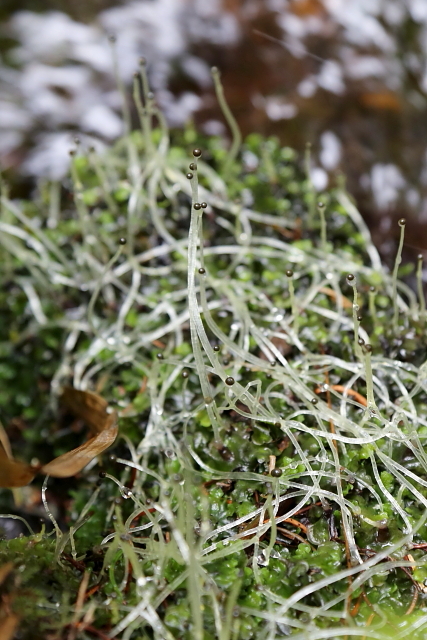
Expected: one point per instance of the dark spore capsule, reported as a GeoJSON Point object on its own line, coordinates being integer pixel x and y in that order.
{"type": "Point", "coordinates": [359, 318]}
{"type": "Point", "coordinates": [193, 166]}
{"type": "Point", "coordinates": [159, 356]}
{"type": "Point", "coordinates": [197, 206]}
{"type": "Point", "coordinates": [122, 241]}
{"type": "Point", "coordinates": [229, 381]}
{"type": "Point", "coordinates": [112, 38]}
{"type": "Point", "coordinates": [202, 271]}
{"type": "Point", "coordinates": [204, 205]}
{"type": "Point", "coordinates": [226, 454]}
{"type": "Point", "coordinates": [276, 473]}
{"type": "Point", "coordinates": [289, 273]}
{"type": "Point", "coordinates": [216, 348]}
{"type": "Point", "coordinates": [402, 222]}
{"type": "Point", "coordinates": [189, 175]}
{"type": "Point", "coordinates": [185, 373]}
{"type": "Point", "coordinates": [102, 474]}
{"type": "Point", "coordinates": [350, 277]}
{"type": "Point", "coordinates": [314, 401]}
{"type": "Point", "coordinates": [277, 425]}
{"type": "Point", "coordinates": [197, 153]}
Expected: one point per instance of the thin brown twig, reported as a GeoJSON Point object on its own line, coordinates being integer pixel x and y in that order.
{"type": "Point", "coordinates": [345, 390]}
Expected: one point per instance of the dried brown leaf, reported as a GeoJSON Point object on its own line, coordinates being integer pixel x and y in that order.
{"type": "Point", "coordinates": [74, 461]}
{"type": "Point", "coordinates": [8, 626]}
{"type": "Point", "coordinates": [5, 569]}
{"type": "Point", "coordinates": [12, 473]}
{"type": "Point", "coordinates": [93, 409]}
{"type": "Point", "coordinates": [90, 407]}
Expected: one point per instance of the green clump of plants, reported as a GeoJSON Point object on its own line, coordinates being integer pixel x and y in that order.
{"type": "Point", "coordinates": [269, 479]}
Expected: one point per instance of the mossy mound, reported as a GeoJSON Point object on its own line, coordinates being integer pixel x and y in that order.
{"type": "Point", "coordinates": [270, 478]}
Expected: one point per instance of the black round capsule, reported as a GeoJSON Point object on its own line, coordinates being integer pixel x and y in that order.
{"type": "Point", "coordinates": [185, 373]}
{"type": "Point", "coordinates": [112, 457]}
{"type": "Point", "coordinates": [226, 454]}
{"type": "Point", "coordinates": [368, 348]}
{"type": "Point", "coordinates": [193, 166]}
{"type": "Point", "coordinates": [122, 241]}
{"type": "Point", "coordinates": [202, 271]}
{"type": "Point", "coordinates": [277, 425]}
{"type": "Point", "coordinates": [197, 153]}
{"type": "Point", "coordinates": [276, 473]}
{"type": "Point", "coordinates": [350, 277]}
{"type": "Point", "coordinates": [402, 222]}
{"type": "Point", "coordinates": [72, 152]}
{"type": "Point", "coordinates": [102, 474]}
{"type": "Point", "coordinates": [204, 205]}
{"type": "Point", "coordinates": [360, 341]}
{"type": "Point", "coordinates": [314, 401]}
{"type": "Point", "coordinates": [189, 175]}
{"type": "Point", "coordinates": [216, 348]}
{"type": "Point", "coordinates": [159, 356]}
{"type": "Point", "coordinates": [359, 318]}
{"type": "Point", "coordinates": [289, 273]}
{"type": "Point", "coordinates": [197, 206]}
{"type": "Point", "coordinates": [229, 381]}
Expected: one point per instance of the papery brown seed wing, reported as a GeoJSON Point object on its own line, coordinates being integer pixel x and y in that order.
{"type": "Point", "coordinates": [74, 461]}
{"type": "Point", "coordinates": [14, 474]}
{"type": "Point", "coordinates": [5, 569]}
{"type": "Point", "coordinates": [88, 406]}
{"type": "Point", "coordinates": [8, 627]}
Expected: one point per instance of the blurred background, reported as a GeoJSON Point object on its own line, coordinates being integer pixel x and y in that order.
{"type": "Point", "coordinates": [349, 76]}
